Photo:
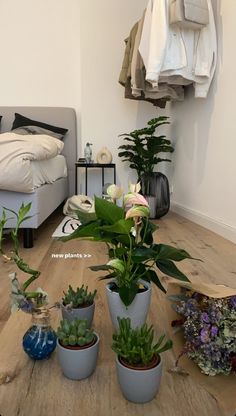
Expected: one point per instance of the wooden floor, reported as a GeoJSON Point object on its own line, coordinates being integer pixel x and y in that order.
{"type": "Point", "coordinates": [41, 390]}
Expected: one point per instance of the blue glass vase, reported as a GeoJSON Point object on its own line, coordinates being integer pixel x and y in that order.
{"type": "Point", "coordinates": [40, 340]}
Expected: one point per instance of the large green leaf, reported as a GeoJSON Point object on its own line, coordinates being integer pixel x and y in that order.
{"type": "Point", "coordinates": [166, 252]}
{"type": "Point", "coordinates": [120, 227]}
{"type": "Point", "coordinates": [153, 277]}
{"type": "Point", "coordinates": [100, 267]}
{"type": "Point", "coordinates": [143, 253]}
{"type": "Point", "coordinates": [88, 231]}
{"type": "Point", "coordinates": [124, 239]}
{"type": "Point", "coordinates": [86, 217]}
{"type": "Point", "coordinates": [127, 294]}
{"type": "Point", "coordinates": [169, 268]}
{"type": "Point", "coordinates": [108, 211]}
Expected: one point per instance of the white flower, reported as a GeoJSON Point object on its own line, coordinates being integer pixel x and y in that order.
{"type": "Point", "coordinates": [134, 187]}
{"type": "Point", "coordinates": [114, 191]}
{"type": "Point", "coordinates": [117, 264]}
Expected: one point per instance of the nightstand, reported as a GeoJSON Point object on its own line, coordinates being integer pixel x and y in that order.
{"type": "Point", "coordinates": [87, 166]}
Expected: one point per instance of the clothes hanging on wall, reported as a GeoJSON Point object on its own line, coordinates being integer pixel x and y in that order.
{"type": "Point", "coordinates": [161, 59]}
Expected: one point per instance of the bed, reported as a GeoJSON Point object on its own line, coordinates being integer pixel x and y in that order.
{"type": "Point", "coordinates": [46, 198]}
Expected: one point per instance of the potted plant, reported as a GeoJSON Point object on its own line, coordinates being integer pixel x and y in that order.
{"type": "Point", "coordinates": [142, 152]}
{"type": "Point", "coordinates": [40, 339]}
{"type": "Point", "coordinates": [77, 348]}
{"type": "Point", "coordinates": [134, 258]}
{"type": "Point", "coordinates": [78, 303]}
{"type": "Point", "coordinates": [138, 362]}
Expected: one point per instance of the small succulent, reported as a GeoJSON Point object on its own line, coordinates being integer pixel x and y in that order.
{"type": "Point", "coordinates": [78, 297]}
{"type": "Point", "coordinates": [136, 346]}
{"type": "Point", "coordinates": [74, 333]}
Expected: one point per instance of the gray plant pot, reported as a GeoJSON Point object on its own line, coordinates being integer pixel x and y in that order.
{"type": "Point", "coordinates": [78, 364]}
{"type": "Point", "coordinates": [139, 386]}
{"type": "Point", "coordinates": [137, 311]}
{"type": "Point", "coordinates": [152, 202]}
{"type": "Point", "coordinates": [81, 313]}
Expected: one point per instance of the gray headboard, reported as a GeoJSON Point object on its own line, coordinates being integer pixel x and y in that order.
{"type": "Point", "coordinates": [58, 116]}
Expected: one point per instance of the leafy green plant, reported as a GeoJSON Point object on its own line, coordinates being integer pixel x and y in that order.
{"type": "Point", "coordinates": [21, 298]}
{"type": "Point", "coordinates": [136, 346]}
{"type": "Point", "coordinates": [128, 234]}
{"type": "Point", "coordinates": [143, 147]}
{"type": "Point", "coordinates": [74, 333]}
{"type": "Point", "coordinates": [78, 297]}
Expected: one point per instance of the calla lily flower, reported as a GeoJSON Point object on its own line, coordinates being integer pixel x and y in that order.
{"type": "Point", "coordinates": [135, 199]}
{"type": "Point", "coordinates": [137, 211]}
{"type": "Point", "coordinates": [134, 187]}
{"type": "Point", "coordinates": [117, 264]}
{"type": "Point", "coordinates": [115, 192]}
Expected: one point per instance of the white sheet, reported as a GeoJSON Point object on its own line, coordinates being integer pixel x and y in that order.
{"type": "Point", "coordinates": [48, 171]}
{"type": "Point", "coordinates": [16, 153]}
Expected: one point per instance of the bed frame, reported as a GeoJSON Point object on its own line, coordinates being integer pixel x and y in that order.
{"type": "Point", "coordinates": [49, 196]}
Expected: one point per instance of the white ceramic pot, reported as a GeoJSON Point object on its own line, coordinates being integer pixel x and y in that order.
{"type": "Point", "coordinates": [137, 311]}
{"type": "Point", "coordinates": [79, 313]}
{"type": "Point", "coordinates": [78, 364]}
{"type": "Point", "coordinates": [139, 386]}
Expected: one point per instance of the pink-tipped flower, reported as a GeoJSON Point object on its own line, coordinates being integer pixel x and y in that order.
{"type": "Point", "coordinates": [137, 211]}
{"type": "Point", "coordinates": [135, 199]}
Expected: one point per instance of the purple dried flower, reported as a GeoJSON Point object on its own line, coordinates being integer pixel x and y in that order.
{"type": "Point", "coordinates": [204, 334]}
{"type": "Point", "coordinates": [233, 301]}
{"type": "Point", "coordinates": [214, 331]}
{"type": "Point", "coordinates": [205, 318]}
{"type": "Point", "coordinates": [209, 339]}
{"type": "Point", "coordinates": [26, 306]}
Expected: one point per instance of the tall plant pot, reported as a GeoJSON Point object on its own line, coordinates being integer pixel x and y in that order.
{"type": "Point", "coordinates": [139, 386]}
{"type": "Point", "coordinates": [137, 311]}
{"type": "Point", "coordinates": [156, 185]}
{"type": "Point", "coordinates": [86, 312]}
{"type": "Point", "coordinates": [78, 364]}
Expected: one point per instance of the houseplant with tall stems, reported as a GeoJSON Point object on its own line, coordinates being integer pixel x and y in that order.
{"type": "Point", "coordinates": [144, 150]}
{"type": "Point", "coordinates": [134, 259]}
{"type": "Point", "coordinates": [40, 340]}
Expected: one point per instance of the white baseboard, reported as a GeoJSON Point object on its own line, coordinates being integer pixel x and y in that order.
{"type": "Point", "coordinates": [217, 226]}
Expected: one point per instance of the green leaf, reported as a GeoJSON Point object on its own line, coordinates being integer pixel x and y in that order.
{"type": "Point", "coordinates": [100, 267]}
{"type": "Point", "coordinates": [86, 217]}
{"type": "Point", "coordinates": [168, 345]}
{"type": "Point", "coordinates": [141, 254]}
{"type": "Point", "coordinates": [127, 294]}
{"type": "Point", "coordinates": [108, 211]}
{"type": "Point", "coordinates": [108, 276]}
{"type": "Point", "coordinates": [169, 268]}
{"type": "Point", "coordinates": [88, 231]}
{"type": "Point", "coordinates": [155, 279]}
{"type": "Point", "coordinates": [166, 252]}
{"type": "Point", "coordinates": [147, 231]}
{"type": "Point", "coordinates": [120, 227]}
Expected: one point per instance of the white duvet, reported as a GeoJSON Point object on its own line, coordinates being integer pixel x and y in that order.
{"type": "Point", "coordinates": [16, 154]}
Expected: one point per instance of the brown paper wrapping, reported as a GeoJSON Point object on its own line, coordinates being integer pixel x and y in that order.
{"type": "Point", "coordinates": [222, 388]}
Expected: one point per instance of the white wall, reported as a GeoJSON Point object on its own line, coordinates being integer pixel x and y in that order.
{"type": "Point", "coordinates": [105, 112]}
{"type": "Point", "coordinates": [204, 169]}
{"type": "Point", "coordinates": [40, 53]}
{"type": "Point", "coordinates": [69, 53]}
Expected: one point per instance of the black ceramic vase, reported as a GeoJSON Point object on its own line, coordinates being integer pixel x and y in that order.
{"type": "Point", "coordinates": [155, 188]}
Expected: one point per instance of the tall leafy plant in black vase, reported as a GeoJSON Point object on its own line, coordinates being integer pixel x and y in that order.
{"type": "Point", "coordinates": [143, 150]}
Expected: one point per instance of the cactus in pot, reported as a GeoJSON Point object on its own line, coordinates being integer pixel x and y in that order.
{"type": "Point", "coordinates": [77, 348]}
{"type": "Point", "coordinates": [138, 363]}
{"type": "Point", "coordinates": [78, 303]}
